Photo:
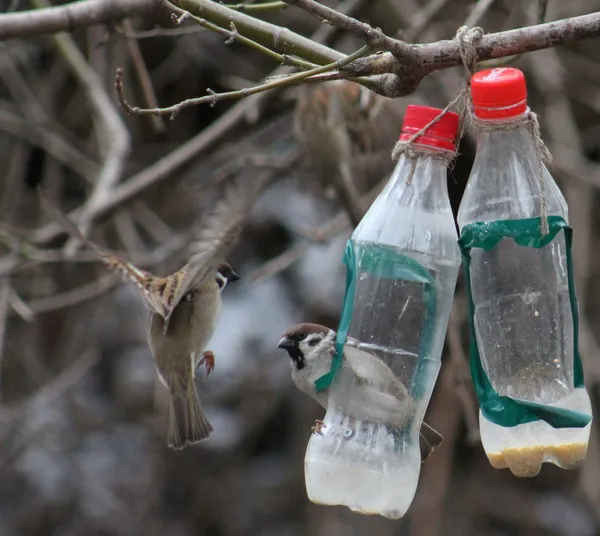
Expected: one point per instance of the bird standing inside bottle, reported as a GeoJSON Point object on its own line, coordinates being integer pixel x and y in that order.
{"type": "Point", "coordinates": [184, 307]}
{"type": "Point", "coordinates": [382, 397]}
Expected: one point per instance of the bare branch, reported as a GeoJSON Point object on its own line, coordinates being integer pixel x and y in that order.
{"type": "Point", "coordinates": [141, 70]}
{"type": "Point", "coordinates": [374, 37]}
{"type": "Point", "coordinates": [4, 304]}
{"type": "Point", "coordinates": [444, 54]}
{"type": "Point", "coordinates": [68, 17]}
{"type": "Point", "coordinates": [257, 8]}
{"type": "Point", "coordinates": [114, 142]}
{"type": "Point", "coordinates": [73, 297]}
{"type": "Point", "coordinates": [212, 98]}
{"type": "Point", "coordinates": [269, 35]}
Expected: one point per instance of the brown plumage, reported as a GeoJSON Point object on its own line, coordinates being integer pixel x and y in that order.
{"type": "Point", "coordinates": [378, 390]}
{"type": "Point", "coordinates": [184, 306]}
{"type": "Point", "coordinates": [347, 132]}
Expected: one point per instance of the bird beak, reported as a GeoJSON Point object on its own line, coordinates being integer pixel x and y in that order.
{"type": "Point", "coordinates": [286, 343]}
{"type": "Point", "coordinates": [233, 277]}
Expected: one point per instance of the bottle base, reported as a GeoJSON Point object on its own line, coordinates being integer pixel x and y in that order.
{"type": "Point", "coordinates": [365, 492]}
{"type": "Point", "coordinates": [527, 462]}
{"type": "Point", "coordinates": [526, 447]}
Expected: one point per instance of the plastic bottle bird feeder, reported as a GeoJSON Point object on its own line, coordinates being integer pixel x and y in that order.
{"type": "Point", "coordinates": [516, 245]}
{"type": "Point", "coordinates": [402, 264]}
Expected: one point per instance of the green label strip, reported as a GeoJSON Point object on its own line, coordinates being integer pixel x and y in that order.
{"type": "Point", "coordinates": [503, 410]}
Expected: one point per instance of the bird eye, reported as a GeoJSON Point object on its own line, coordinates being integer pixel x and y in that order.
{"type": "Point", "coordinates": [301, 336]}
{"type": "Point", "coordinates": [188, 297]}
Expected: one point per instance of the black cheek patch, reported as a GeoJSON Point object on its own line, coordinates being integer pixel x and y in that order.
{"type": "Point", "coordinates": [314, 342]}
{"type": "Point", "coordinates": [297, 357]}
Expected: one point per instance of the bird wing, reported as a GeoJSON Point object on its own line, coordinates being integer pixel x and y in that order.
{"type": "Point", "coordinates": [143, 281]}
{"type": "Point", "coordinates": [372, 370]}
{"type": "Point", "coordinates": [216, 237]}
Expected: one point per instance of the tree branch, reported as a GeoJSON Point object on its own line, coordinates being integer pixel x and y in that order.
{"type": "Point", "coordinates": [270, 35]}
{"type": "Point", "coordinates": [445, 54]}
{"type": "Point", "coordinates": [68, 17]}
{"type": "Point", "coordinates": [374, 37]}
{"type": "Point", "coordinates": [213, 97]}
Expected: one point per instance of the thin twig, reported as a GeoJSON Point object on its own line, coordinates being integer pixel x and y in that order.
{"type": "Point", "coordinates": [4, 306]}
{"type": "Point", "coordinates": [152, 223]}
{"type": "Point", "coordinates": [140, 68]}
{"type": "Point", "coordinates": [321, 35]}
{"type": "Point", "coordinates": [73, 297]}
{"type": "Point", "coordinates": [213, 97]}
{"type": "Point", "coordinates": [52, 142]}
{"type": "Point", "coordinates": [115, 140]}
{"type": "Point", "coordinates": [478, 11]}
{"type": "Point", "coordinates": [275, 38]}
{"type": "Point", "coordinates": [257, 8]}
{"type": "Point", "coordinates": [423, 18]}
{"type": "Point", "coordinates": [159, 32]}
{"type": "Point", "coordinates": [20, 307]}
{"type": "Point", "coordinates": [323, 233]}
{"type": "Point", "coordinates": [374, 37]}
{"type": "Point", "coordinates": [65, 18]}
{"type": "Point", "coordinates": [232, 35]}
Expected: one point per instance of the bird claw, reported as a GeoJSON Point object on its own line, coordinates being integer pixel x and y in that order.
{"type": "Point", "coordinates": [208, 360]}
{"type": "Point", "coordinates": [318, 427]}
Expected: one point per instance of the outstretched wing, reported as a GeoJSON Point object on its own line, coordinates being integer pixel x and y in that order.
{"type": "Point", "coordinates": [216, 237]}
{"type": "Point", "coordinates": [144, 281]}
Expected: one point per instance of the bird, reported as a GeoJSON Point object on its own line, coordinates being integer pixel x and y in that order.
{"type": "Point", "coordinates": [379, 396]}
{"type": "Point", "coordinates": [348, 132]}
{"type": "Point", "coordinates": [184, 306]}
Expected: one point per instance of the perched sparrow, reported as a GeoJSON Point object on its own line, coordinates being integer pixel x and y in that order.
{"type": "Point", "coordinates": [381, 394]}
{"type": "Point", "coordinates": [348, 133]}
{"type": "Point", "coordinates": [184, 308]}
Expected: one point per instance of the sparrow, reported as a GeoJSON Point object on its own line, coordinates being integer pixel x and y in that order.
{"type": "Point", "coordinates": [347, 131]}
{"type": "Point", "coordinates": [381, 395]}
{"type": "Point", "coordinates": [184, 307]}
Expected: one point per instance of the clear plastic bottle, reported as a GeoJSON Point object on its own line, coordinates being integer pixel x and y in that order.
{"type": "Point", "coordinates": [405, 259]}
{"type": "Point", "coordinates": [522, 313]}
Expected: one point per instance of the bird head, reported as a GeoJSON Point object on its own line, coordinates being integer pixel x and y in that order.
{"type": "Point", "coordinates": [306, 342]}
{"type": "Point", "coordinates": [225, 274]}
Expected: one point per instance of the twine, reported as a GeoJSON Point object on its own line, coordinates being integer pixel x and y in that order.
{"type": "Point", "coordinates": [466, 39]}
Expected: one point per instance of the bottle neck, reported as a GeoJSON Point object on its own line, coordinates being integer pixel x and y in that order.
{"type": "Point", "coordinates": [427, 188]}
{"type": "Point", "coordinates": [406, 196]}
{"type": "Point", "coordinates": [505, 181]}
{"type": "Point", "coordinates": [507, 134]}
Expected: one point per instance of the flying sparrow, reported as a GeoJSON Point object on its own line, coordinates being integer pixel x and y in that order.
{"type": "Point", "coordinates": [381, 395]}
{"type": "Point", "coordinates": [184, 308]}
{"type": "Point", "coordinates": [348, 133]}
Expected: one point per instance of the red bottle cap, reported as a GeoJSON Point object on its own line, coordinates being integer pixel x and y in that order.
{"type": "Point", "coordinates": [499, 93]}
{"type": "Point", "coordinates": [440, 135]}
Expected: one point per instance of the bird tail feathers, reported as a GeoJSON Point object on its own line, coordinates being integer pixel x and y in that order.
{"type": "Point", "coordinates": [188, 423]}
{"type": "Point", "coordinates": [429, 440]}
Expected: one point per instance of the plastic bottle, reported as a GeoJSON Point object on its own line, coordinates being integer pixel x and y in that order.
{"type": "Point", "coordinates": [522, 313]}
{"type": "Point", "coordinates": [405, 259]}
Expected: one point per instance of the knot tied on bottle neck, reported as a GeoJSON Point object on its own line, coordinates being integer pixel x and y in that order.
{"type": "Point", "coordinates": [421, 141]}
{"type": "Point", "coordinates": [428, 132]}
{"type": "Point", "coordinates": [413, 151]}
